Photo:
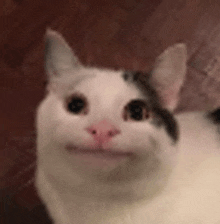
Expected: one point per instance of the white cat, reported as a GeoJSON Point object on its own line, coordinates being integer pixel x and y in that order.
{"type": "Point", "coordinates": [109, 150]}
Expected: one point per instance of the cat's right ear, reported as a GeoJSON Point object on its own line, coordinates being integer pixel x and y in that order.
{"type": "Point", "coordinates": [59, 57]}
{"type": "Point", "coordinates": [169, 73]}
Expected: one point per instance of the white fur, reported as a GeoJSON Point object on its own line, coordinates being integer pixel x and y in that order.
{"type": "Point", "coordinates": [191, 196]}
{"type": "Point", "coordinates": [166, 183]}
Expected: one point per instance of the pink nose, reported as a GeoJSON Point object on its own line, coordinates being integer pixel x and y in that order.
{"type": "Point", "coordinates": [103, 131]}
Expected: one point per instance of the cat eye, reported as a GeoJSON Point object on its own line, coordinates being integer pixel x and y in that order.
{"type": "Point", "coordinates": [77, 104]}
{"type": "Point", "coordinates": [136, 110]}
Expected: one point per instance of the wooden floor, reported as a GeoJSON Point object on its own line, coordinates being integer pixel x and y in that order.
{"type": "Point", "coordinates": [125, 33]}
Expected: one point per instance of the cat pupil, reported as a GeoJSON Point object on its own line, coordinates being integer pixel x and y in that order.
{"type": "Point", "coordinates": [76, 105]}
{"type": "Point", "coordinates": [136, 110]}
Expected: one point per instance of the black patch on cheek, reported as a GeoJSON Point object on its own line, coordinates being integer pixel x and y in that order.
{"type": "Point", "coordinates": [165, 118]}
{"type": "Point", "coordinates": [162, 116]}
{"type": "Point", "coordinates": [215, 116]}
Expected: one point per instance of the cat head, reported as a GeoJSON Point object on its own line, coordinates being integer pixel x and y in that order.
{"type": "Point", "coordinates": [120, 114]}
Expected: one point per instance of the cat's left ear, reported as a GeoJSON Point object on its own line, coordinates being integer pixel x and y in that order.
{"type": "Point", "coordinates": [169, 73]}
{"type": "Point", "coordinates": [59, 57]}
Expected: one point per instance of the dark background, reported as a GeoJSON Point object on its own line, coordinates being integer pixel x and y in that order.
{"type": "Point", "coordinates": [125, 33]}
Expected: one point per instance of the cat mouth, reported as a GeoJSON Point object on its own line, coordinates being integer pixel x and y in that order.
{"type": "Point", "coordinates": [98, 152]}
{"type": "Point", "coordinates": [98, 157]}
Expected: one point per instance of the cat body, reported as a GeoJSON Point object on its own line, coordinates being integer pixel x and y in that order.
{"type": "Point", "coordinates": [109, 149]}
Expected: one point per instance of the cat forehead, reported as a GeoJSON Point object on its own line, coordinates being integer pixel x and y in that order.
{"type": "Point", "coordinates": [105, 81]}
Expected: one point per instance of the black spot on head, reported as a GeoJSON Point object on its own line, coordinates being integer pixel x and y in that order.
{"type": "Point", "coordinates": [215, 116]}
{"type": "Point", "coordinates": [162, 117]}
{"type": "Point", "coordinates": [136, 75]}
{"type": "Point", "coordinates": [126, 76]}
{"type": "Point", "coordinates": [131, 76]}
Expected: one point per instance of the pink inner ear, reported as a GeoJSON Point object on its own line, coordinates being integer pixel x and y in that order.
{"type": "Point", "coordinates": [169, 97]}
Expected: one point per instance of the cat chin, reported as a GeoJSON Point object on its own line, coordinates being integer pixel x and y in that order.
{"type": "Point", "coordinates": [98, 157]}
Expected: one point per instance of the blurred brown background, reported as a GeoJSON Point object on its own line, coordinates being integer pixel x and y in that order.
{"type": "Point", "coordinates": [125, 33]}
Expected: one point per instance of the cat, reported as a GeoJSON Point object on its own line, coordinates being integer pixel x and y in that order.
{"type": "Point", "coordinates": [111, 151]}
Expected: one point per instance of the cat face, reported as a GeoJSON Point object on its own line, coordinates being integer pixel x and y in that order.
{"type": "Point", "coordinates": [111, 125]}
